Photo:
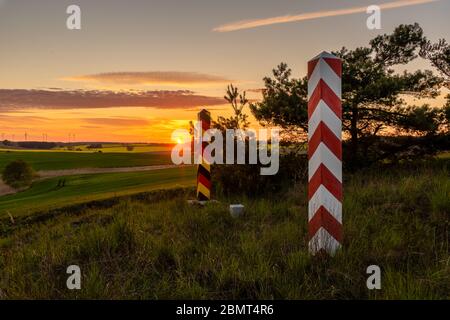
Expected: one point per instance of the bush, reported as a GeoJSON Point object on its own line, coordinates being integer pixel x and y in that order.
{"type": "Point", "coordinates": [379, 150]}
{"type": "Point", "coordinates": [247, 180]}
{"type": "Point", "coordinates": [8, 143]}
{"type": "Point", "coordinates": [18, 174]}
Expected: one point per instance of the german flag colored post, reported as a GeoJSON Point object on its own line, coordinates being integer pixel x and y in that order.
{"type": "Point", "coordinates": [204, 167]}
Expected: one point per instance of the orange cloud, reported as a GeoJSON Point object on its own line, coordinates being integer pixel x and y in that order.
{"type": "Point", "coordinates": [119, 122]}
{"type": "Point", "coordinates": [249, 24]}
{"type": "Point", "coordinates": [170, 78]}
{"type": "Point", "coordinates": [19, 99]}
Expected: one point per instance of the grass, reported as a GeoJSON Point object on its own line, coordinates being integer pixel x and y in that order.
{"type": "Point", "coordinates": [159, 247]}
{"type": "Point", "coordinates": [52, 160]}
{"type": "Point", "coordinates": [48, 194]}
{"type": "Point", "coordinates": [444, 155]}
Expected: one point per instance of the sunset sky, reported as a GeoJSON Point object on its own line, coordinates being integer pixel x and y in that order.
{"type": "Point", "coordinates": [137, 70]}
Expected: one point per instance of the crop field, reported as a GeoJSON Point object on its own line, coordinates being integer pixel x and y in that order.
{"type": "Point", "coordinates": [50, 193]}
{"type": "Point", "coordinates": [55, 160]}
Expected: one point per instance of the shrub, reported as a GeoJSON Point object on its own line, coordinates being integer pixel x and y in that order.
{"type": "Point", "coordinates": [18, 174]}
{"type": "Point", "coordinates": [7, 143]}
{"type": "Point", "coordinates": [247, 180]}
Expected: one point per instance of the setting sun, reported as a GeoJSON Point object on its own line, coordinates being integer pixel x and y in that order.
{"type": "Point", "coordinates": [181, 137]}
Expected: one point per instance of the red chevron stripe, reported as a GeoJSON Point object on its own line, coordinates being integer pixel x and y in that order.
{"type": "Point", "coordinates": [323, 219]}
{"type": "Point", "coordinates": [325, 135]}
{"type": "Point", "coordinates": [335, 64]}
{"type": "Point", "coordinates": [324, 92]}
{"type": "Point", "coordinates": [325, 177]}
{"type": "Point", "coordinates": [203, 180]}
{"type": "Point", "coordinates": [311, 66]}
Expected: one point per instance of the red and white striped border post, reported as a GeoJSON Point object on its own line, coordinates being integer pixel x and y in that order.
{"type": "Point", "coordinates": [325, 153]}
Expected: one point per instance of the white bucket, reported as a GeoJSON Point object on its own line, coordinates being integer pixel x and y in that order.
{"type": "Point", "coordinates": [236, 210]}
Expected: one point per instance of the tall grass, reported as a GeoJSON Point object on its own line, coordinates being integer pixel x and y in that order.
{"type": "Point", "coordinates": [162, 248]}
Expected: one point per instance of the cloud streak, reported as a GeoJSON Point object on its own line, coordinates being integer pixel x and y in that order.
{"type": "Point", "coordinates": [119, 122]}
{"type": "Point", "coordinates": [170, 78]}
{"type": "Point", "coordinates": [20, 99]}
{"type": "Point", "coordinates": [250, 24]}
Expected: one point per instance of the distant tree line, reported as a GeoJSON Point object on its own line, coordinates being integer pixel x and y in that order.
{"type": "Point", "coordinates": [95, 146]}
{"type": "Point", "coordinates": [36, 145]}
{"type": "Point", "coordinates": [40, 145]}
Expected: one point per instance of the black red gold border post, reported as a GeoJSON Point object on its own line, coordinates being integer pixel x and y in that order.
{"type": "Point", "coordinates": [204, 167]}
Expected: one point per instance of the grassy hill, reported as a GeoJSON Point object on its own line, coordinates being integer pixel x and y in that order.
{"type": "Point", "coordinates": [49, 193]}
{"type": "Point", "coordinates": [156, 246]}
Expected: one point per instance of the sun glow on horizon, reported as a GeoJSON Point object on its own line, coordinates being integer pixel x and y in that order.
{"type": "Point", "coordinates": [180, 137]}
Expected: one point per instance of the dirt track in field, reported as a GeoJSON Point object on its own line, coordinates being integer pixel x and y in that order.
{"type": "Point", "coordinates": [5, 189]}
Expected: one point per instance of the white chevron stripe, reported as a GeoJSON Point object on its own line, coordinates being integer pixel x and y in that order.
{"type": "Point", "coordinates": [325, 114]}
{"type": "Point", "coordinates": [325, 156]}
{"type": "Point", "coordinates": [323, 240]}
{"type": "Point", "coordinates": [323, 197]}
{"type": "Point", "coordinates": [324, 54]}
{"type": "Point", "coordinates": [325, 72]}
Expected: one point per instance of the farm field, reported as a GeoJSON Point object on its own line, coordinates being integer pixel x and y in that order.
{"type": "Point", "coordinates": [159, 247]}
{"type": "Point", "coordinates": [119, 148]}
{"type": "Point", "coordinates": [48, 193]}
{"type": "Point", "coordinates": [56, 160]}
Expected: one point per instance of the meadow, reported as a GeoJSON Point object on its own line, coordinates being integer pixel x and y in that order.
{"type": "Point", "coordinates": [59, 160]}
{"type": "Point", "coordinates": [156, 246]}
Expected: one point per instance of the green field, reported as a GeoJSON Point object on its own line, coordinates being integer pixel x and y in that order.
{"type": "Point", "coordinates": [120, 148]}
{"type": "Point", "coordinates": [159, 247]}
{"type": "Point", "coordinates": [52, 160]}
{"type": "Point", "coordinates": [46, 194]}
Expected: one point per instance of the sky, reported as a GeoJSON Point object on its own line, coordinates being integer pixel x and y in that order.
{"type": "Point", "coordinates": [137, 70]}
